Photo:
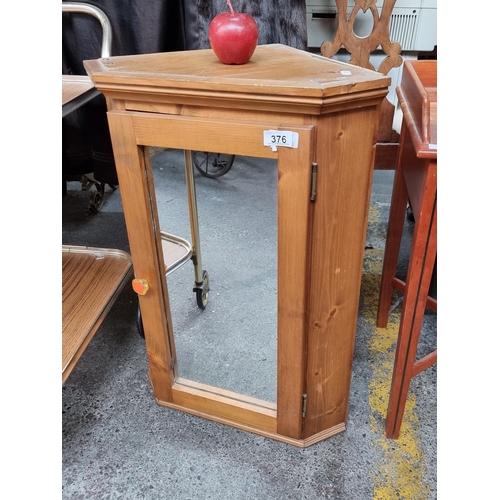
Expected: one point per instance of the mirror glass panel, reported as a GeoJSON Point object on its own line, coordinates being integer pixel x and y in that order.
{"type": "Point", "coordinates": [232, 343]}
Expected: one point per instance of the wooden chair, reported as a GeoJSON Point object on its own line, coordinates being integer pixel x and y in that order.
{"type": "Point", "coordinates": [360, 50]}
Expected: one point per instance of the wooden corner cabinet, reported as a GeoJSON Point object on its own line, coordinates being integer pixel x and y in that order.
{"type": "Point", "coordinates": [190, 101]}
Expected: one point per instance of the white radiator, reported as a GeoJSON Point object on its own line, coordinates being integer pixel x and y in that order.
{"type": "Point", "coordinates": [413, 23]}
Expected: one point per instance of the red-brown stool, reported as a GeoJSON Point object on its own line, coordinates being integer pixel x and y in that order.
{"type": "Point", "coordinates": [415, 182]}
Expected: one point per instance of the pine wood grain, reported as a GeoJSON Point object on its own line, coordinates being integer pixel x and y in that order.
{"type": "Point", "coordinates": [213, 401]}
{"type": "Point", "coordinates": [141, 217]}
{"type": "Point", "coordinates": [294, 240]}
{"type": "Point", "coordinates": [345, 156]}
{"type": "Point", "coordinates": [277, 77]}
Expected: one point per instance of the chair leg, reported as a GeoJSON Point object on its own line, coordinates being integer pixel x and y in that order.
{"type": "Point", "coordinates": [422, 259]}
{"type": "Point", "coordinates": [393, 242]}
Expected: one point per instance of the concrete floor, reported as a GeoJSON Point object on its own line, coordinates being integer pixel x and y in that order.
{"type": "Point", "coordinates": [118, 443]}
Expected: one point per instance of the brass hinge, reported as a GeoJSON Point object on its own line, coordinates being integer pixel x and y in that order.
{"type": "Point", "coordinates": [314, 175]}
{"type": "Point", "coordinates": [304, 404]}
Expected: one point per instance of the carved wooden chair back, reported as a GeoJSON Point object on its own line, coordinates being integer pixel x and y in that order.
{"type": "Point", "coordinates": [360, 49]}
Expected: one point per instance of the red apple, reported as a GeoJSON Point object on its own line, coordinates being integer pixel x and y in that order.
{"type": "Point", "coordinates": [233, 36]}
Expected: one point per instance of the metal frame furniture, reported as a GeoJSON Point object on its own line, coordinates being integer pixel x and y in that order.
{"type": "Point", "coordinates": [92, 278]}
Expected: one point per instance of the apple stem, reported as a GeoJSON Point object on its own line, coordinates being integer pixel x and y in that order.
{"type": "Point", "coordinates": [230, 7]}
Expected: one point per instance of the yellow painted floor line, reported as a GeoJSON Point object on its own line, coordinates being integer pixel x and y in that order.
{"type": "Point", "coordinates": [399, 472]}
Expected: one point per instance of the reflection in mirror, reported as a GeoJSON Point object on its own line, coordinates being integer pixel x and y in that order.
{"type": "Point", "coordinates": [232, 343]}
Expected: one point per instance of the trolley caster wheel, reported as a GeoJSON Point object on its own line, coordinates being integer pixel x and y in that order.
{"type": "Point", "coordinates": [138, 319]}
{"type": "Point", "coordinates": [212, 164]}
{"type": "Point", "coordinates": [96, 200]}
{"type": "Point", "coordinates": [202, 293]}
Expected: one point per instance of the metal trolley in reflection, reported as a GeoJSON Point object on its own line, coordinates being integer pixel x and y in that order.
{"type": "Point", "coordinates": [177, 251]}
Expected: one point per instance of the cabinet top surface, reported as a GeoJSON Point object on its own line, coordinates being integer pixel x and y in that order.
{"type": "Point", "coordinates": [273, 70]}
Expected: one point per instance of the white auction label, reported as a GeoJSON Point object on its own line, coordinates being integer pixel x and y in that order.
{"type": "Point", "coordinates": [285, 138]}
